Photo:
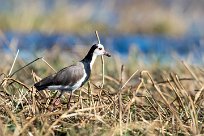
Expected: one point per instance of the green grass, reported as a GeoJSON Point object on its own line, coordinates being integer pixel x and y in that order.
{"type": "Point", "coordinates": [157, 100]}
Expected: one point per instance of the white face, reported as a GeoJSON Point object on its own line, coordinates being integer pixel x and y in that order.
{"type": "Point", "coordinates": [99, 50]}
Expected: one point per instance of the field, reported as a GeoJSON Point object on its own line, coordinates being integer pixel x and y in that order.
{"type": "Point", "coordinates": [143, 92]}
{"type": "Point", "coordinates": [133, 99]}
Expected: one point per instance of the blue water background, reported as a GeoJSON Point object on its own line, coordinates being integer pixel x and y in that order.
{"type": "Point", "coordinates": [160, 45]}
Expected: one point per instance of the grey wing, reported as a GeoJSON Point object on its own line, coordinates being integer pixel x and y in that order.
{"type": "Point", "coordinates": [69, 75]}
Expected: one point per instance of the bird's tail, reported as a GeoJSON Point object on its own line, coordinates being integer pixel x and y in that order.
{"type": "Point", "coordinates": [44, 83]}
{"type": "Point", "coordinates": [40, 87]}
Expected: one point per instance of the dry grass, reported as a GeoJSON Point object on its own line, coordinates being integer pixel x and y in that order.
{"type": "Point", "coordinates": [83, 17]}
{"type": "Point", "coordinates": [131, 102]}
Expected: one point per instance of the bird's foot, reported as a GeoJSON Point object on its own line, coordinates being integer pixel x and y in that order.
{"type": "Point", "coordinates": [56, 102]}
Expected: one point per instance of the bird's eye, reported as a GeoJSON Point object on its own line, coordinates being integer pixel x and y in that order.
{"type": "Point", "coordinates": [100, 48]}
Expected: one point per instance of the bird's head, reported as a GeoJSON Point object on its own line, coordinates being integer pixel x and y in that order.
{"type": "Point", "coordinates": [99, 50]}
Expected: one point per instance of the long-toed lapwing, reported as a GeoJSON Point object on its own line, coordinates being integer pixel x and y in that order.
{"type": "Point", "coordinates": [72, 77]}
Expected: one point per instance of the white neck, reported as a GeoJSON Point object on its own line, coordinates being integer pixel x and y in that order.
{"type": "Point", "coordinates": [93, 60]}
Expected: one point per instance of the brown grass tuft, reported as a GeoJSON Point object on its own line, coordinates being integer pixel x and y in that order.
{"type": "Point", "coordinates": [131, 102]}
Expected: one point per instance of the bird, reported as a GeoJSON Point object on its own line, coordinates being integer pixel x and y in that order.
{"type": "Point", "coordinates": [74, 76]}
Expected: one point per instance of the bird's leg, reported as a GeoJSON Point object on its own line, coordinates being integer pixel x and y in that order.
{"type": "Point", "coordinates": [68, 104]}
{"type": "Point", "coordinates": [53, 98]}
{"type": "Point", "coordinates": [57, 100]}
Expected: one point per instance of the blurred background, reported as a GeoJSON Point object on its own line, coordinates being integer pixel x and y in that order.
{"type": "Point", "coordinates": [160, 41]}
{"type": "Point", "coordinates": [162, 31]}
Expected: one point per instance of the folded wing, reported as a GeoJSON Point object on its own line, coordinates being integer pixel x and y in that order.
{"type": "Point", "coordinates": [67, 76]}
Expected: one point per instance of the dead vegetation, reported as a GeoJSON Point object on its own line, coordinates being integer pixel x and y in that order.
{"type": "Point", "coordinates": [130, 102]}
